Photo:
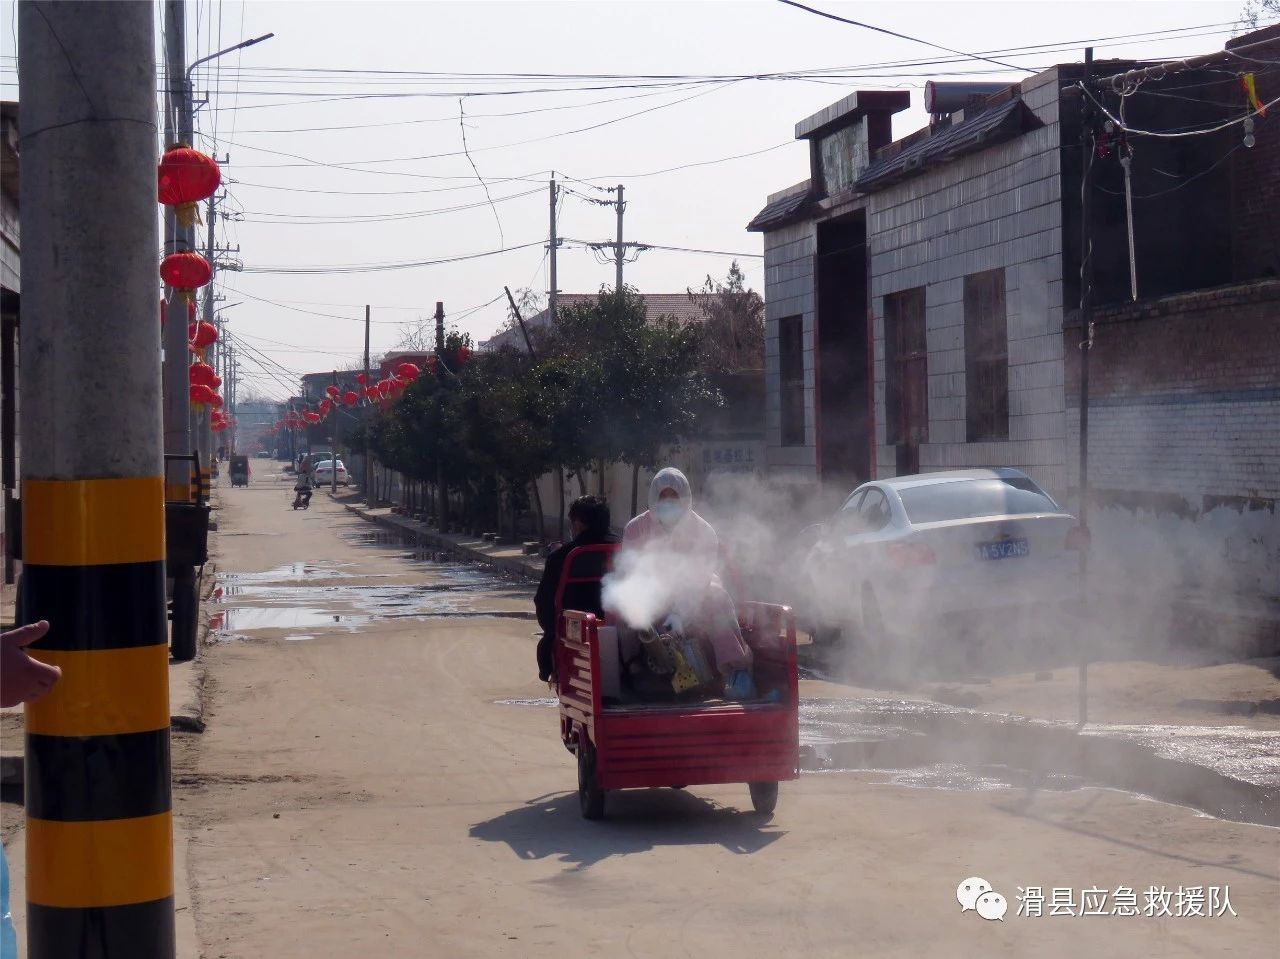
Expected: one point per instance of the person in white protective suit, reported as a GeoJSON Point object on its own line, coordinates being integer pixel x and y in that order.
{"type": "Point", "coordinates": [679, 542]}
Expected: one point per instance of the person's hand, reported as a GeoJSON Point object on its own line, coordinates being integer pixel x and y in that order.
{"type": "Point", "coordinates": [23, 679]}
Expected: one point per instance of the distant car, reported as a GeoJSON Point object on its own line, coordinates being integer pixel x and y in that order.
{"type": "Point", "coordinates": [263, 454]}
{"type": "Point", "coordinates": [911, 558]}
{"type": "Point", "coordinates": [322, 475]}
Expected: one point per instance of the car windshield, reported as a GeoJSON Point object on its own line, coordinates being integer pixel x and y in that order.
{"type": "Point", "coordinates": [969, 499]}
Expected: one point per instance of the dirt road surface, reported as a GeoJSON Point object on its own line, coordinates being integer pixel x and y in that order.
{"type": "Point", "coordinates": [366, 792]}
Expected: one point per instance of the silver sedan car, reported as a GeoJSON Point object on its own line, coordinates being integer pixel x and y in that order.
{"type": "Point", "coordinates": [911, 558]}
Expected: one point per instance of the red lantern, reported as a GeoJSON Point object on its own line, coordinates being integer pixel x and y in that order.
{"type": "Point", "coordinates": [361, 378]}
{"type": "Point", "coordinates": [186, 177]}
{"type": "Point", "coordinates": [216, 402]}
{"type": "Point", "coordinates": [201, 395]}
{"type": "Point", "coordinates": [202, 374]}
{"type": "Point", "coordinates": [333, 391]}
{"type": "Point", "coordinates": [217, 382]}
{"type": "Point", "coordinates": [351, 397]}
{"type": "Point", "coordinates": [384, 388]}
{"type": "Point", "coordinates": [371, 392]}
{"type": "Point", "coordinates": [326, 406]}
{"type": "Point", "coordinates": [202, 335]}
{"type": "Point", "coordinates": [185, 272]}
{"type": "Point", "coordinates": [464, 354]}
{"type": "Point", "coordinates": [407, 372]}
{"type": "Point", "coordinates": [311, 417]}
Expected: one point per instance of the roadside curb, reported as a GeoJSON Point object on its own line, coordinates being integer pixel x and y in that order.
{"type": "Point", "coordinates": [470, 549]}
{"type": "Point", "coordinates": [186, 679]}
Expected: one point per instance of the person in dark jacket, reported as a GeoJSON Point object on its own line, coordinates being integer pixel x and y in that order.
{"type": "Point", "coordinates": [589, 525]}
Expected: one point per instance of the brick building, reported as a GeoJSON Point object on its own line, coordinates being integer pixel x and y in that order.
{"type": "Point", "coordinates": [923, 301]}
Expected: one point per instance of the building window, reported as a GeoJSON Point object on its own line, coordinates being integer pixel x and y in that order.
{"type": "Point", "coordinates": [791, 379]}
{"type": "Point", "coordinates": [986, 357]}
{"type": "Point", "coordinates": [906, 368]}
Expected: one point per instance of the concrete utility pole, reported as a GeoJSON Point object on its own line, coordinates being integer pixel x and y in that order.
{"type": "Point", "coordinates": [203, 419]}
{"type": "Point", "coordinates": [366, 481]}
{"type": "Point", "coordinates": [1086, 346]}
{"type": "Point", "coordinates": [620, 248]}
{"type": "Point", "coordinates": [553, 293]}
{"type": "Point", "coordinates": [337, 437]}
{"type": "Point", "coordinates": [99, 814]}
{"type": "Point", "coordinates": [177, 400]}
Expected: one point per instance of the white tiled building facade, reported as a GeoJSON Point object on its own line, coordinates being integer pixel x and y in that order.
{"type": "Point", "coordinates": [998, 208]}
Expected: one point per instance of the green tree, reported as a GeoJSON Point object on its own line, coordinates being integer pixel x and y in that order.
{"type": "Point", "coordinates": [630, 386]}
{"type": "Point", "coordinates": [1256, 9]}
{"type": "Point", "coordinates": [733, 323]}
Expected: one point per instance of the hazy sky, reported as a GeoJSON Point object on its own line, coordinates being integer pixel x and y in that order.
{"type": "Point", "coordinates": [315, 92]}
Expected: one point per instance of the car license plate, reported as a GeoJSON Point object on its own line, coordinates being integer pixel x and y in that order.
{"type": "Point", "coordinates": [1003, 549]}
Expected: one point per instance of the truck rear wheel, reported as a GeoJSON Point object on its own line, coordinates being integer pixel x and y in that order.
{"type": "Point", "coordinates": [764, 797]}
{"type": "Point", "coordinates": [590, 795]}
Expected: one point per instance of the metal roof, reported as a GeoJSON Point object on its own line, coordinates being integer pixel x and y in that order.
{"type": "Point", "coordinates": [681, 307]}
{"type": "Point", "coordinates": [993, 125]}
{"type": "Point", "coordinates": [781, 211]}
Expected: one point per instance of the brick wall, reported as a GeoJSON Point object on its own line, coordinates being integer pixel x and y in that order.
{"type": "Point", "coordinates": [1184, 396]}
{"type": "Point", "coordinates": [1256, 172]}
{"type": "Point", "coordinates": [1184, 443]}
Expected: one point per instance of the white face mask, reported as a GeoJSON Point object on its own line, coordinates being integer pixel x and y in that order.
{"type": "Point", "coordinates": [669, 511]}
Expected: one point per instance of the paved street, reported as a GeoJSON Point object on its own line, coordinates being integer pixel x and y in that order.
{"type": "Point", "coordinates": [366, 791]}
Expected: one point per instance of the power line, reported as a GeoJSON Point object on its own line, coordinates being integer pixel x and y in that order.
{"type": "Point", "coordinates": [356, 165]}
{"type": "Point", "coordinates": [449, 119]}
{"type": "Point", "coordinates": [383, 267]}
{"type": "Point", "coordinates": [445, 189]}
{"type": "Point", "coordinates": [1176, 134]}
{"type": "Point", "coordinates": [1185, 182]}
{"type": "Point", "coordinates": [900, 36]}
{"type": "Point", "coordinates": [284, 305]}
{"type": "Point", "coordinates": [319, 219]}
{"type": "Point", "coordinates": [462, 126]}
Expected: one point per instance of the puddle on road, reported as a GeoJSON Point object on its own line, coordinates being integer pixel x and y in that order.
{"type": "Point", "coordinates": [289, 572]}
{"type": "Point", "coordinates": [309, 596]}
{"type": "Point", "coordinates": [1251, 755]}
{"type": "Point", "coordinates": [243, 619]}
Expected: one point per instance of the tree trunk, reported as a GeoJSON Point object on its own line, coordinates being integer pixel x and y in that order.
{"type": "Point", "coordinates": [560, 477]}
{"type": "Point", "coordinates": [600, 480]}
{"type": "Point", "coordinates": [582, 483]}
{"type": "Point", "coordinates": [635, 486]}
{"type": "Point", "coordinates": [537, 509]}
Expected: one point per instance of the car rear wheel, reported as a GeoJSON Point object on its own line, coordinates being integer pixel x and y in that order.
{"type": "Point", "coordinates": [884, 656]}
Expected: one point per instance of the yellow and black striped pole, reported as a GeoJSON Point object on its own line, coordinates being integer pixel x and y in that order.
{"type": "Point", "coordinates": [99, 821]}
